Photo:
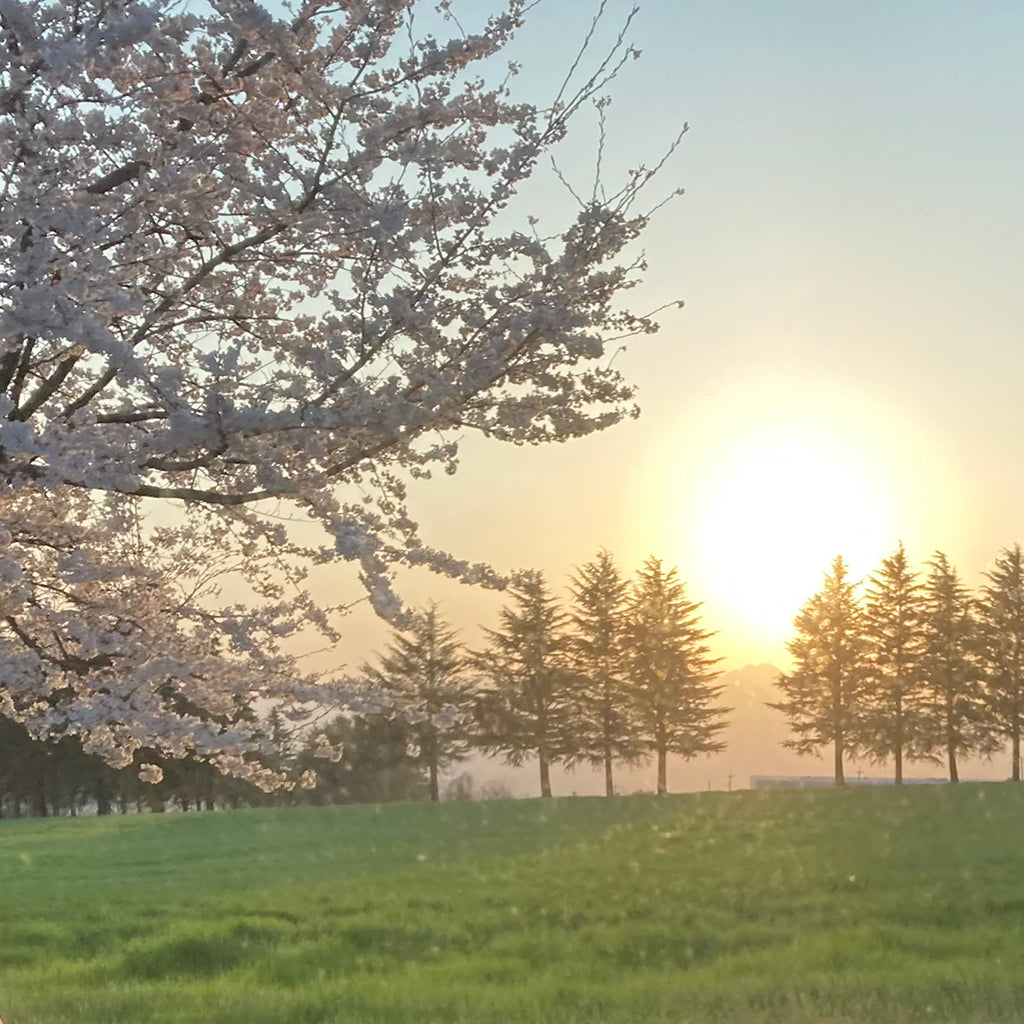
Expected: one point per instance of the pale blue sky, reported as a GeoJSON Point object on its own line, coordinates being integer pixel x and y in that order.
{"type": "Point", "coordinates": [850, 248]}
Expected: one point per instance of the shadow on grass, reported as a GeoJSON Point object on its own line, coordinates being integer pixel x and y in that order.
{"type": "Point", "coordinates": [202, 949]}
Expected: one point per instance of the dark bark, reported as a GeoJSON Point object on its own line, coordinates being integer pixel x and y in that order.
{"type": "Point", "coordinates": [131, 170]}
{"type": "Point", "coordinates": [609, 782]}
{"type": "Point", "coordinates": [837, 726]}
{"type": "Point", "coordinates": [545, 778]}
{"type": "Point", "coordinates": [39, 806]}
{"type": "Point", "coordinates": [102, 796]}
{"type": "Point", "coordinates": [898, 752]}
{"type": "Point", "coordinates": [435, 794]}
{"type": "Point", "coordinates": [662, 769]}
{"type": "Point", "coordinates": [951, 741]}
{"type": "Point", "coordinates": [256, 65]}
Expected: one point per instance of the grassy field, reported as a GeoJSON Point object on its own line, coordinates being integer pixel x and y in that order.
{"type": "Point", "coordinates": [867, 906]}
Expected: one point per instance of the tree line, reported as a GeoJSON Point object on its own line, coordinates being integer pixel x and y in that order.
{"type": "Point", "coordinates": [904, 666]}
{"type": "Point", "coordinates": [910, 665]}
{"type": "Point", "coordinates": [620, 673]}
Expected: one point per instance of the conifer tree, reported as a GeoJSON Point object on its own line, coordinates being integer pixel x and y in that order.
{"type": "Point", "coordinates": [671, 669]}
{"type": "Point", "coordinates": [953, 690]}
{"type": "Point", "coordinates": [597, 649]}
{"type": "Point", "coordinates": [891, 706]}
{"type": "Point", "coordinates": [526, 706]}
{"type": "Point", "coordinates": [424, 670]}
{"type": "Point", "coordinates": [823, 694]}
{"type": "Point", "coordinates": [1001, 640]}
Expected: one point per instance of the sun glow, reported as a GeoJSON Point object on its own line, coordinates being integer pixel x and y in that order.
{"type": "Point", "coordinates": [759, 488]}
{"type": "Point", "coordinates": [775, 510]}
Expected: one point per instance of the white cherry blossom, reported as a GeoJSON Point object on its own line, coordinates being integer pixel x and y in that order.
{"type": "Point", "coordinates": [254, 259]}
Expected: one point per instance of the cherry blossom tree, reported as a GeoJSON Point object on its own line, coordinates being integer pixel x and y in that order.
{"type": "Point", "coordinates": [255, 258]}
{"type": "Point", "coordinates": [119, 636]}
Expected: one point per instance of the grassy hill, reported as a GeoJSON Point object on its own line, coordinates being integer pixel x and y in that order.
{"type": "Point", "coordinates": [867, 906]}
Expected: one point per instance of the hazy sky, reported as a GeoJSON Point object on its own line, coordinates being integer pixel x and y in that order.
{"type": "Point", "coordinates": [847, 369]}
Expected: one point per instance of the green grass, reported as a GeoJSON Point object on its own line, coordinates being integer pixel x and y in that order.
{"type": "Point", "coordinates": [867, 906]}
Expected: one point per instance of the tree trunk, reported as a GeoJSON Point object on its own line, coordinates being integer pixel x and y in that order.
{"type": "Point", "coordinates": [609, 782]}
{"type": "Point", "coordinates": [898, 752]}
{"type": "Point", "coordinates": [39, 807]}
{"type": "Point", "coordinates": [838, 734]}
{"type": "Point", "coordinates": [545, 778]}
{"type": "Point", "coordinates": [102, 796]}
{"type": "Point", "coordinates": [435, 793]}
{"type": "Point", "coordinates": [951, 741]}
{"type": "Point", "coordinates": [1016, 750]}
{"type": "Point", "coordinates": [662, 769]}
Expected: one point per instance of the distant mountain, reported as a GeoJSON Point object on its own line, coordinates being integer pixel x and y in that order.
{"type": "Point", "coordinates": [748, 692]}
{"type": "Point", "coordinates": [753, 682]}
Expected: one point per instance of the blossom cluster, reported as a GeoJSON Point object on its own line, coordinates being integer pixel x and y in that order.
{"type": "Point", "coordinates": [255, 258]}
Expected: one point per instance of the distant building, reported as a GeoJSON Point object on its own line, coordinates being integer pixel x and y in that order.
{"type": "Point", "coordinates": [827, 781]}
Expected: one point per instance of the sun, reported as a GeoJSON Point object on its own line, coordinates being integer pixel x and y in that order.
{"type": "Point", "coordinates": [775, 508]}
{"type": "Point", "coordinates": [755, 490]}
